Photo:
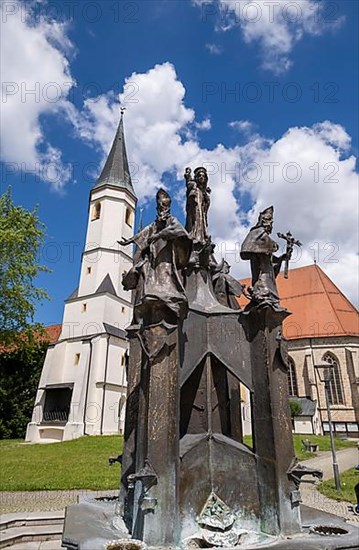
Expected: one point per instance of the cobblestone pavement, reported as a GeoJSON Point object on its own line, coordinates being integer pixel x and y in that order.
{"type": "Point", "coordinates": [347, 458]}
{"type": "Point", "coordinates": [43, 501]}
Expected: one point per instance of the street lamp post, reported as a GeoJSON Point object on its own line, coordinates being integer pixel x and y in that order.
{"type": "Point", "coordinates": [326, 372]}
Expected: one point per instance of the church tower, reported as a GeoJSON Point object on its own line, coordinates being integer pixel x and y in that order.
{"type": "Point", "coordinates": [82, 390]}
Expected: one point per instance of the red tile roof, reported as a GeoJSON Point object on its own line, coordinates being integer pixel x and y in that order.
{"type": "Point", "coordinates": [51, 335]}
{"type": "Point", "coordinates": [318, 307]}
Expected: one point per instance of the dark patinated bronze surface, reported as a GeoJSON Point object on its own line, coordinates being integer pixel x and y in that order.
{"type": "Point", "coordinates": [190, 350]}
{"type": "Point", "coordinates": [188, 478]}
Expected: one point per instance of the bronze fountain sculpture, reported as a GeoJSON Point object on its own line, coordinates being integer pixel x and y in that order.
{"type": "Point", "coordinates": [188, 479]}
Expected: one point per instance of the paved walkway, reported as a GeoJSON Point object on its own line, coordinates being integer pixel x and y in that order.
{"type": "Point", "coordinates": [44, 501]}
{"type": "Point", "coordinates": [34, 545]}
{"type": "Point", "coordinates": [347, 458]}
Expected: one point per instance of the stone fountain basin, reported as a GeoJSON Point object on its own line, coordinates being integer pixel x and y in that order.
{"type": "Point", "coordinates": [89, 525]}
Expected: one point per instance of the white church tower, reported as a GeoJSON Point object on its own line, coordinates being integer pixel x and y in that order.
{"type": "Point", "coordinates": [82, 390]}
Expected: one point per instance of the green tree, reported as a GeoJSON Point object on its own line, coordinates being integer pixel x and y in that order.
{"type": "Point", "coordinates": [20, 370]}
{"type": "Point", "coordinates": [21, 237]}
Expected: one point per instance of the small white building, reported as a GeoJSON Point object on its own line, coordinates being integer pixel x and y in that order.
{"type": "Point", "coordinates": [308, 421]}
{"type": "Point", "coordinates": [82, 389]}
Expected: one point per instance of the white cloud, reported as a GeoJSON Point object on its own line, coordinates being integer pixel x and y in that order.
{"type": "Point", "coordinates": [205, 124]}
{"type": "Point", "coordinates": [314, 188]}
{"type": "Point", "coordinates": [334, 134]}
{"type": "Point", "coordinates": [36, 81]}
{"type": "Point", "coordinates": [156, 121]}
{"type": "Point", "coordinates": [276, 26]}
{"type": "Point", "coordinates": [244, 126]}
{"type": "Point", "coordinates": [160, 137]}
{"type": "Point", "coordinates": [214, 49]}
{"type": "Point", "coordinates": [307, 174]}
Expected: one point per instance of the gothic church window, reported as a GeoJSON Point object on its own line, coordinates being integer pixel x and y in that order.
{"type": "Point", "coordinates": [335, 386]}
{"type": "Point", "coordinates": [96, 211]}
{"type": "Point", "coordinates": [292, 379]}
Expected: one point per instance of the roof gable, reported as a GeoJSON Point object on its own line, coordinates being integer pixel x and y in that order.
{"type": "Point", "coordinates": [106, 286]}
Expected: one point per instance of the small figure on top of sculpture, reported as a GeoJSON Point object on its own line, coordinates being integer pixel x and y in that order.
{"type": "Point", "coordinates": [198, 201]}
{"type": "Point", "coordinates": [259, 248]}
{"type": "Point", "coordinates": [197, 205]}
{"type": "Point", "coordinates": [226, 287]}
{"type": "Point", "coordinates": [163, 250]}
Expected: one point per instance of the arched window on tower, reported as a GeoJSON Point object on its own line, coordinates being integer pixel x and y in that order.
{"type": "Point", "coordinates": [335, 386]}
{"type": "Point", "coordinates": [292, 378]}
{"type": "Point", "coordinates": [96, 211]}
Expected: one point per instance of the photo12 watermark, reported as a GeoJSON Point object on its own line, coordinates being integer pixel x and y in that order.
{"type": "Point", "coordinates": [269, 92]}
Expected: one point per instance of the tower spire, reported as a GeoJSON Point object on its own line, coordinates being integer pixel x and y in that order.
{"type": "Point", "coordinates": [116, 170]}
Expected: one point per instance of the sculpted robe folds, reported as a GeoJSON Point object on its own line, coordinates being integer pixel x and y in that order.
{"type": "Point", "coordinates": [258, 247]}
{"type": "Point", "coordinates": [197, 206]}
{"type": "Point", "coordinates": [163, 249]}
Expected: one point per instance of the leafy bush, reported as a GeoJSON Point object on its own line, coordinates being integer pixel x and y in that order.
{"type": "Point", "coordinates": [20, 370]}
{"type": "Point", "coordinates": [295, 408]}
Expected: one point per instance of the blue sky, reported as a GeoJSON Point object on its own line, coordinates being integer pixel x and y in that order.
{"type": "Point", "coordinates": [264, 93]}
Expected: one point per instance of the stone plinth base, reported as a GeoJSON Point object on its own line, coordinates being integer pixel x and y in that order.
{"type": "Point", "coordinates": [92, 525]}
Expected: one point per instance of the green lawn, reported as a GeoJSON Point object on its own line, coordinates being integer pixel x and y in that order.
{"type": "Point", "coordinates": [348, 481]}
{"type": "Point", "coordinates": [83, 463]}
{"type": "Point", "coordinates": [78, 464]}
{"type": "Point", "coordinates": [322, 441]}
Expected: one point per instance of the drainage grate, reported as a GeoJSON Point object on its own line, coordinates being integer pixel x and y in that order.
{"type": "Point", "coordinates": [328, 530]}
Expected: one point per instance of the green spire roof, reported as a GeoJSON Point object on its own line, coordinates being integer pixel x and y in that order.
{"type": "Point", "coordinates": [116, 171]}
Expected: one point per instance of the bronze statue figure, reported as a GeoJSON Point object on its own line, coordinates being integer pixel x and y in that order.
{"type": "Point", "coordinates": [198, 201]}
{"type": "Point", "coordinates": [197, 205]}
{"type": "Point", "coordinates": [163, 250]}
{"type": "Point", "coordinates": [226, 287]}
{"type": "Point", "coordinates": [259, 248]}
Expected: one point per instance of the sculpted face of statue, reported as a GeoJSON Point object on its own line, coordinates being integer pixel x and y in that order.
{"type": "Point", "coordinates": [163, 205]}
{"type": "Point", "coordinates": [267, 223]}
{"type": "Point", "coordinates": [265, 220]}
{"type": "Point", "coordinates": [201, 177]}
